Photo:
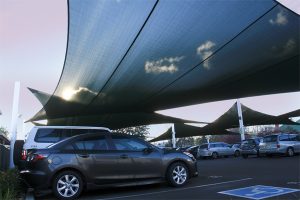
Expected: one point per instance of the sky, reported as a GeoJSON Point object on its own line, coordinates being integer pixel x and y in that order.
{"type": "Point", "coordinates": [33, 38]}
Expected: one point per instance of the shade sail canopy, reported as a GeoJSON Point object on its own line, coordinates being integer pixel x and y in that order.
{"type": "Point", "coordinates": [226, 121]}
{"type": "Point", "coordinates": [183, 130]}
{"type": "Point", "coordinates": [141, 56]}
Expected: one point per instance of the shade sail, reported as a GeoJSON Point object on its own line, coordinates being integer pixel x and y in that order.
{"type": "Point", "coordinates": [183, 130]}
{"type": "Point", "coordinates": [141, 56]}
{"type": "Point", "coordinates": [117, 120]}
{"type": "Point", "coordinates": [226, 121]}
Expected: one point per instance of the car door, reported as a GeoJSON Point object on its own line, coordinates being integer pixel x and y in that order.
{"type": "Point", "coordinates": [140, 159]}
{"type": "Point", "coordinates": [94, 155]}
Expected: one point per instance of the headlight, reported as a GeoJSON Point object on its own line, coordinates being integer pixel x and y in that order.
{"type": "Point", "coordinates": [189, 155]}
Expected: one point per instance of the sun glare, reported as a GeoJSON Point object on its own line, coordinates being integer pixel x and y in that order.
{"type": "Point", "coordinates": [68, 93]}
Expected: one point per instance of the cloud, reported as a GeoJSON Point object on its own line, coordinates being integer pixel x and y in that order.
{"type": "Point", "coordinates": [286, 49]}
{"type": "Point", "coordinates": [163, 65]}
{"type": "Point", "coordinates": [204, 51]}
{"type": "Point", "coordinates": [280, 19]}
{"type": "Point", "coordinates": [69, 93]}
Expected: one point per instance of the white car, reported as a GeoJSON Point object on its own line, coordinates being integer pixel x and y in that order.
{"type": "Point", "coordinates": [41, 137]}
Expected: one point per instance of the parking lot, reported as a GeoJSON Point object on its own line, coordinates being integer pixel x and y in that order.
{"type": "Point", "coordinates": [216, 176]}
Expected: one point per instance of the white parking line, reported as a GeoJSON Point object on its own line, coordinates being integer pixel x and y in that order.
{"type": "Point", "coordinates": [174, 190]}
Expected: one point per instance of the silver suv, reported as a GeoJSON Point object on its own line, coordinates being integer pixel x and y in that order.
{"type": "Point", "coordinates": [287, 144]}
{"type": "Point", "coordinates": [217, 149]}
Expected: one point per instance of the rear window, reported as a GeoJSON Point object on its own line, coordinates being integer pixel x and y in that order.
{"type": "Point", "coordinates": [50, 135]}
{"type": "Point", "coordinates": [248, 142]}
{"type": "Point", "coordinates": [204, 146]}
{"type": "Point", "coordinates": [271, 138]}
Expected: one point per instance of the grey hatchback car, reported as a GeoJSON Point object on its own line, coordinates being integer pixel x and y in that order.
{"type": "Point", "coordinates": [104, 159]}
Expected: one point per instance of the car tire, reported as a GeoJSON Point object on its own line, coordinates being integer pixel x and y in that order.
{"type": "Point", "coordinates": [214, 155]}
{"type": "Point", "coordinates": [290, 152]}
{"type": "Point", "coordinates": [177, 174]}
{"type": "Point", "coordinates": [237, 153]}
{"type": "Point", "coordinates": [245, 156]}
{"type": "Point", "coordinates": [67, 182]}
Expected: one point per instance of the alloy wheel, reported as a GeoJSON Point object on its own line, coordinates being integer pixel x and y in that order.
{"type": "Point", "coordinates": [179, 175]}
{"type": "Point", "coordinates": [67, 185]}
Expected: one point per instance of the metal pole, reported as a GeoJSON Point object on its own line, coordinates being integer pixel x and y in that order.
{"type": "Point", "coordinates": [14, 123]}
{"type": "Point", "coordinates": [173, 136]}
{"type": "Point", "coordinates": [241, 122]}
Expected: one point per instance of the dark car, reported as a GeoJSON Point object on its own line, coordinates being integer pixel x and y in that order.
{"type": "Point", "coordinates": [250, 147]}
{"type": "Point", "coordinates": [104, 159]}
{"type": "Point", "coordinates": [192, 150]}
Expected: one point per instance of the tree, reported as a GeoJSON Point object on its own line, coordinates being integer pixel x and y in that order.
{"type": "Point", "coordinates": [139, 131]}
{"type": "Point", "coordinates": [3, 131]}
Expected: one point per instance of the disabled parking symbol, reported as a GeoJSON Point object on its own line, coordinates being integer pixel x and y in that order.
{"type": "Point", "coordinates": [259, 192]}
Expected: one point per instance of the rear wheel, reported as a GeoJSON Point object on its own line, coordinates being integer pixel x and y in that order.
{"type": "Point", "coordinates": [214, 155]}
{"type": "Point", "coordinates": [67, 185]}
{"type": "Point", "coordinates": [177, 174]}
{"type": "Point", "coordinates": [290, 152]}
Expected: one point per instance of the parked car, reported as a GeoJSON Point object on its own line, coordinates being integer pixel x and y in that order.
{"type": "Point", "coordinates": [41, 137]}
{"type": "Point", "coordinates": [182, 149]}
{"type": "Point", "coordinates": [287, 144]}
{"type": "Point", "coordinates": [250, 147]}
{"type": "Point", "coordinates": [217, 149]}
{"type": "Point", "coordinates": [104, 159]}
{"type": "Point", "coordinates": [192, 150]}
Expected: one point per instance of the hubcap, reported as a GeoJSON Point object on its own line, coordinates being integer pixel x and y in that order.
{"type": "Point", "coordinates": [179, 174]}
{"type": "Point", "coordinates": [67, 185]}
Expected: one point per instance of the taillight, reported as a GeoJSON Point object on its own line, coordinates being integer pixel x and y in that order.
{"type": "Point", "coordinates": [36, 157]}
{"type": "Point", "coordinates": [24, 154]}
{"type": "Point", "coordinates": [278, 146]}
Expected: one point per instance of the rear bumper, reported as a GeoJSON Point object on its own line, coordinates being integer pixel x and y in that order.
{"type": "Point", "coordinates": [35, 179]}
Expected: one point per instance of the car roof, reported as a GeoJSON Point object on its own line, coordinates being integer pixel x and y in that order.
{"type": "Point", "coordinates": [75, 127]}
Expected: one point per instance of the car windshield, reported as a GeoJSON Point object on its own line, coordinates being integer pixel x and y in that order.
{"type": "Point", "coordinates": [271, 138]}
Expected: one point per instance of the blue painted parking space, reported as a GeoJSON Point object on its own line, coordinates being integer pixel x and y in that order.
{"type": "Point", "coordinates": [259, 192]}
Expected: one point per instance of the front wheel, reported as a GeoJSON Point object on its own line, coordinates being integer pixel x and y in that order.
{"type": "Point", "coordinates": [237, 153]}
{"type": "Point", "coordinates": [67, 185]}
{"type": "Point", "coordinates": [177, 174]}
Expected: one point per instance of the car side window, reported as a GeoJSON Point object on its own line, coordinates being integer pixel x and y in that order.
{"type": "Point", "coordinates": [48, 135]}
{"type": "Point", "coordinates": [293, 137]}
{"type": "Point", "coordinates": [128, 144]}
{"type": "Point", "coordinates": [284, 138]}
{"type": "Point", "coordinates": [95, 143]}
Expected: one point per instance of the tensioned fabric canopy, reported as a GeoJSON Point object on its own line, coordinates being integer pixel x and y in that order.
{"type": "Point", "coordinates": [226, 121]}
{"type": "Point", "coordinates": [183, 130]}
{"type": "Point", "coordinates": [141, 56]}
{"type": "Point", "coordinates": [112, 121]}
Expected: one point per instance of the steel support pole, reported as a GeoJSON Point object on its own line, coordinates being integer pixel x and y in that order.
{"type": "Point", "coordinates": [14, 123]}
{"type": "Point", "coordinates": [173, 136]}
{"type": "Point", "coordinates": [241, 122]}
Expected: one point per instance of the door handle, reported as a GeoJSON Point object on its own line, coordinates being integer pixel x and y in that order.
{"type": "Point", "coordinates": [84, 155]}
{"type": "Point", "coordinates": [124, 156]}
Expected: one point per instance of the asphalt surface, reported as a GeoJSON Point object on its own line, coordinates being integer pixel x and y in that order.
{"type": "Point", "coordinates": [215, 176]}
